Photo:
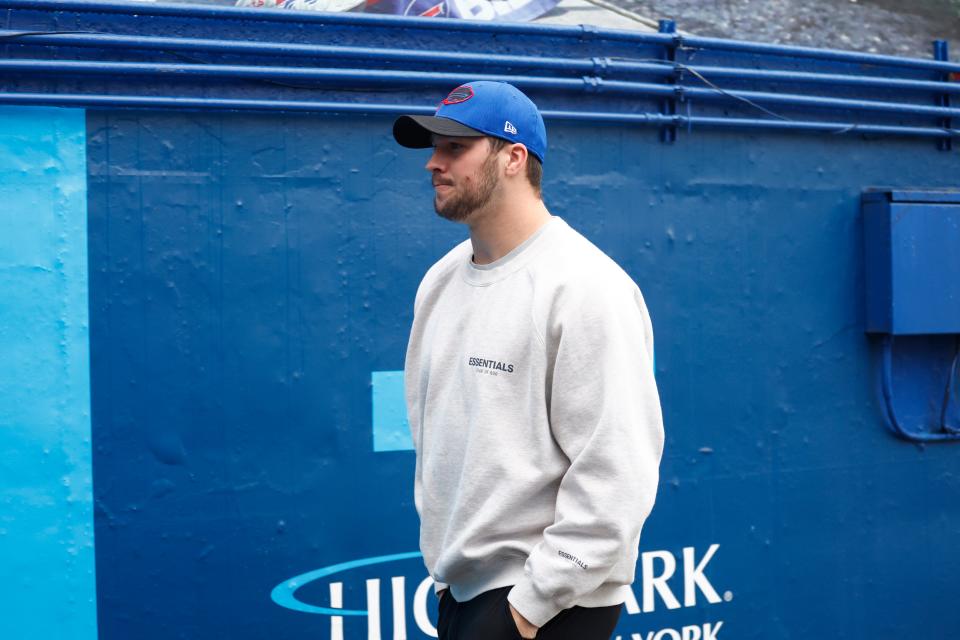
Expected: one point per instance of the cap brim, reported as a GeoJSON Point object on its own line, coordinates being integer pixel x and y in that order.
{"type": "Point", "coordinates": [414, 132]}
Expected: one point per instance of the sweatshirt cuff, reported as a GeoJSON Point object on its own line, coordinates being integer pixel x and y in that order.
{"type": "Point", "coordinates": [531, 605]}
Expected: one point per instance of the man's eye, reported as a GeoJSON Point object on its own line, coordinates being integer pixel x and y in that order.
{"type": "Point", "coordinates": [449, 147]}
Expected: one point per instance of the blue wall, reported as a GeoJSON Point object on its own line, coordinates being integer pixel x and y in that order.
{"type": "Point", "coordinates": [251, 272]}
{"type": "Point", "coordinates": [249, 279]}
{"type": "Point", "coordinates": [46, 493]}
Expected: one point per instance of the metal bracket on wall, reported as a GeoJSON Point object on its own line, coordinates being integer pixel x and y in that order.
{"type": "Point", "coordinates": [941, 52]}
{"type": "Point", "coordinates": [669, 106]}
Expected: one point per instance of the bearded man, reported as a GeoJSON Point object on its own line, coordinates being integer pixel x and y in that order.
{"type": "Point", "coordinates": [530, 391]}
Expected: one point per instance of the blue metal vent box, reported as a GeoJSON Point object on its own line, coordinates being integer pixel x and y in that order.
{"type": "Point", "coordinates": [912, 252]}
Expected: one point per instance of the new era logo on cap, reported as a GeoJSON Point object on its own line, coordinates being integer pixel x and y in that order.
{"type": "Point", "coordinates": [509, 128]}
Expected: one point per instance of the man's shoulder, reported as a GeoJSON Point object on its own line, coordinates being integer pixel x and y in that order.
{"type": "Point", "coordinates": [577, 264]}
{"type": "Point", "coordinates": [578, 282]}
{"type": "Point", "coordinates": [447, 265]}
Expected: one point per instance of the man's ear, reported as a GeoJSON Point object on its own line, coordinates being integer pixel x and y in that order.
{"type": "Point", "coordinates": [516, 159]}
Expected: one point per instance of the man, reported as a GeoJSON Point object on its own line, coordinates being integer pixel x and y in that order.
{"type": "Point", "coordinates": [529, 388]}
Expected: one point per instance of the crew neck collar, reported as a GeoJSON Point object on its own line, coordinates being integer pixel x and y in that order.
{"type": "Point", "coordinates": [486, 274]}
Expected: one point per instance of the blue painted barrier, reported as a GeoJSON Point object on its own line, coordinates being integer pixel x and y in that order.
{"type": "Point", "coordinates": [46, 494]}
{"type": "Point", "coordinates": [250, 256]}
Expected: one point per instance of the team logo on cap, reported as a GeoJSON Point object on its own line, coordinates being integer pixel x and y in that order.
{"type": "Point", "coordinates": [435, 10]}
{"type": "Point", "coordinates": [458, 95]}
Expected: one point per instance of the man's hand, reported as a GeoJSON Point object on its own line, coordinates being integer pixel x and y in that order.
{"type": "Point", "coordinates": [526, 629]}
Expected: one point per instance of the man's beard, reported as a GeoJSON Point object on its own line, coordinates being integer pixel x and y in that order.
{"type": "Point", "coordinates": [459, 205]}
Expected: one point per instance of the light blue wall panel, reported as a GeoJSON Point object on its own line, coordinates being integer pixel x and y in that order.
{"type": "Point", "coordinates": [391, 429]}
{"type": "Point", "coordinates": [46, 494]}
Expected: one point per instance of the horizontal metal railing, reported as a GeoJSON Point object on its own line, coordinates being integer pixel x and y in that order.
{"type": "Point", "coordinates": [324, 66]}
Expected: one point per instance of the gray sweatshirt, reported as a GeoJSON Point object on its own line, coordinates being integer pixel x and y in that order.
{"type": "Point", "coordinates": [536, 421]}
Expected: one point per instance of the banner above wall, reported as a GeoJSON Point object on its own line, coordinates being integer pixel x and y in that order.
{"type": "Point", "coordinates": [307, 5]}
{"type": "Point", "coordinates": [510, 10]}
{"type": "Point", "coordinates": [598, 13]}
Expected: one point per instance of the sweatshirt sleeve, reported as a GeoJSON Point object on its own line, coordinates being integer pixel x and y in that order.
{"type": "Point", "coordinates": [605, 416]}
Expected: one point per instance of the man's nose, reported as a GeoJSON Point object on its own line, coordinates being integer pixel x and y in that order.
{"type": "Point", "coordinates": [433, 164]}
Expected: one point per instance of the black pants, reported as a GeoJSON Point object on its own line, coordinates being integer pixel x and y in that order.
{"type": "Point", "coordinates": [487, 617]}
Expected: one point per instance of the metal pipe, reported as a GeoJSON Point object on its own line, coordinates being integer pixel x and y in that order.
{"type": "Point", "coordinates": [853, 57]}
{"type": "Point", "coordinates": [418, 78]}
{"type": "Point", "coordinates": [941, 51]}
{"type": "Point", "coordinates": [814, 101]}
{"type": "Point", "coordinates": [286, 49]}
{"type": "Point", "coordinates": [165, 102]}
{"type": "Point", "coordinates": [595, 66]}
{"type": "Point", "coordinates": [668, 134]}
{"type": "Point", "coordinates": [756, 123]}
{"type": "Point", "coordinates": [367, 76]}
{"type": "Point", "coordinates": [840, 80]}
{"type": "Point", "coordinates": [580, 32]}
{"type": "Point", "coordinates": [825, 127]}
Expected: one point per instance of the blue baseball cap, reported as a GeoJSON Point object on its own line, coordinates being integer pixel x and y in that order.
{"type": "Point", "coordinates": [480, 108]}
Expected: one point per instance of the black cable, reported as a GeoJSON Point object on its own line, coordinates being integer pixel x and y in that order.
{"type": "Point", "coordinates": [921, 434]}
{"type": "Point", "coordinates": [679, 66]}
{"type": "Point", "coordinates": [948, 390]}
{"type": "Point", "coordinates": [22, 34]}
